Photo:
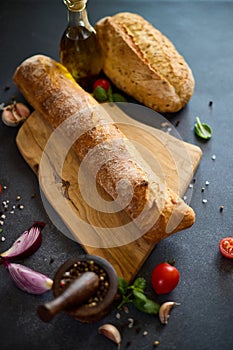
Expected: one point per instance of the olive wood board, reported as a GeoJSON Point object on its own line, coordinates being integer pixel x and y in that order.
{"type": "Point", "coordinates": [175, 160]}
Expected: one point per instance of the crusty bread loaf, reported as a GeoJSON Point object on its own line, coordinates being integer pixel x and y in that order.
{"type": "Point", "coordinates": [50, 89]}
{"type": "Point", "coordinates": [144, 63]}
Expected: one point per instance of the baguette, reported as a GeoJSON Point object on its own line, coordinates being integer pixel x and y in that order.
{"type": "Point", "coordinates": [144, 63]}
{"type": "Point", "coordinates": [51, 90]}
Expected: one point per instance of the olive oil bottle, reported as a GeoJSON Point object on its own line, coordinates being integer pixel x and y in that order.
{"type": "Point", "coordinates": [79, 48]}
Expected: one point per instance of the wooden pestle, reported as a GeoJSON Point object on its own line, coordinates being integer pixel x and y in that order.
{"type": "Point", "coordinates": [79, 291]}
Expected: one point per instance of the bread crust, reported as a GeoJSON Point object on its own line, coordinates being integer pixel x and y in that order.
{"type": "Point", "coordinates": [144, 63]}
{"type": "Point", "coordinates": [50, 89]}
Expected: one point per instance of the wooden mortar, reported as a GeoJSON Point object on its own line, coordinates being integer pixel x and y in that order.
{"type": "Point", "coordinates": [74, 298]}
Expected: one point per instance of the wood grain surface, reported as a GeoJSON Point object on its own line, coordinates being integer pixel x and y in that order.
{"type": "Point", "coordinates": [172, 159]}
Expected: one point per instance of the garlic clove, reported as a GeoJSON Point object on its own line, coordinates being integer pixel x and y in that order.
{"type": "Point", "coordinates": [15, 113]}
{"type": "Point", "coordinates": [164, 311]}
{"type": "Point", "coordinates": [111, 332]}
{"type": "Point", "coordinates": [20, 111]}
{"type": "Point", "coordinates": [8, 118]}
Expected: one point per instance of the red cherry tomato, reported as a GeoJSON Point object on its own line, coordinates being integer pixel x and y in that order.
{"type": "Point", "coordinates": [165, 278]}
{"type": "Point", "coordinates": [226, 247]}
{"type": "Point", "coordinates": [0, 188]}
{"type": "Point", "coordinates": [102, 83]}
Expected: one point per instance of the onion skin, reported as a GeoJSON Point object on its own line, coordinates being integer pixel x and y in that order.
{"type": "Point", "coordinates": [28, 280]}
{"type": "Point", "coordinates": [26, 244]}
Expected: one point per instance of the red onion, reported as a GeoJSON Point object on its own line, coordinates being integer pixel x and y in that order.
{"type": "Point", "coordinates": [28, 280]}
{"type": "Point", "coordinates": [26, 244]}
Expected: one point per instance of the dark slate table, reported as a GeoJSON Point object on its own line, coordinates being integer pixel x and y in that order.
{"type": "Point", "coordinates": [202, 31]}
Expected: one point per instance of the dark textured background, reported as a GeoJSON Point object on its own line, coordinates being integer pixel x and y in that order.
{"type": "Point", "coordinates": [202, 31]}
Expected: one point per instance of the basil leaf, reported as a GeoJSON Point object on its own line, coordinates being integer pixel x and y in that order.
{"type": "Point", "coordinates": [100, 94]}
{"type": "Point", "coordinates": [149, 307]}
{"type": "Point", "coordinates": [118, 97]}
{"type": "Point", "coordinates": [203, 130]}
{"type": "Point", "coordinates": [139, 296]}
{"type": "Point", "coordinates": [110, 94]}
{"type": "Point", "coordinates": [122, 285]}
{"type": "Point", "coordinates": [140, 283]}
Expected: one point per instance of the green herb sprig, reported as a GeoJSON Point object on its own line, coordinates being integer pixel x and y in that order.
{"type": "Point", "coordinates": [135, 293]}
{"type": "Point", "coordinates": [107, 96]}
{"type": "Point", "coordinates": [203, 130]}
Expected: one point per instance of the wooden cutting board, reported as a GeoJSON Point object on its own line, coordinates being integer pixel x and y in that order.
{"type": "Point", "coordinates": [175, 160]}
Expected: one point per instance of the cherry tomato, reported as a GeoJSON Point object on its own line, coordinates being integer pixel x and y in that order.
{"type": "Point", "coordinates": [165, 278]}
{"type": "Point", "coordinates": [102, 83]}
{"type": "Point", "coordinates": [226, 247]}
{"type": "Point", "coordinates": [0, 188]}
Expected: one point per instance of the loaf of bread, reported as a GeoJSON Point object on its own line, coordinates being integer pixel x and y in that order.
{"type": "Point", "coordinates": [144, 63]}
{"type": "Point", "coordinates": [50, 89]}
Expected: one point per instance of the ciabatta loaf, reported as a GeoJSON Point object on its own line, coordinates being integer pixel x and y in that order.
{"type": "Point", "coordinates": [50, 89]}
{"type": "Point", "coordinates": [144, 63]}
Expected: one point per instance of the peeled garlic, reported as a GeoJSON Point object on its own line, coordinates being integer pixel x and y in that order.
{"type": "Point", "coordinates": [164, 311]}
{"type": "Point", "coordinates": [15, 113]}
{"type": "Point", "coordinates": [111, 332]}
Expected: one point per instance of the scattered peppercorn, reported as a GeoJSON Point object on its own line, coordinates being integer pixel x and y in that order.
{"type": "Point", "coordinates": [210, 103]}
{"type": "Point", "coordinates": [126, 309]}
{"type": "Point", "coordinates": [221, 208]}
{"type": "Point", "coordinates": [138, 330]}
{"type": "Point", "coordinates": [156, 343]}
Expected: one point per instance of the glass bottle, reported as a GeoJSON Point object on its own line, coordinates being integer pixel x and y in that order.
{"type": "Point", "coordinates": [79, 49]}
